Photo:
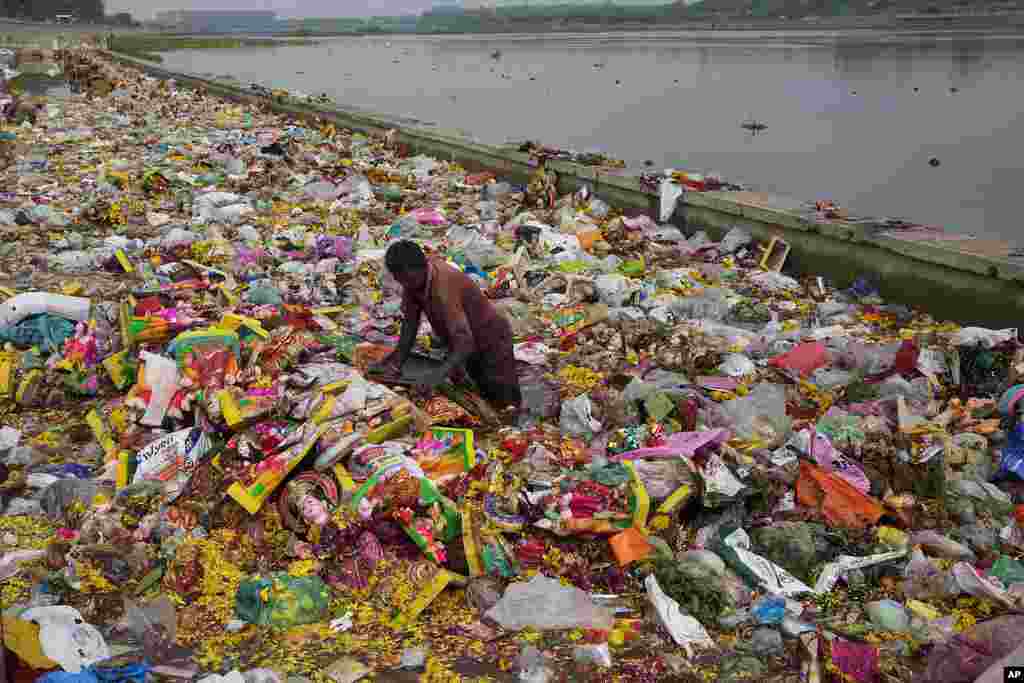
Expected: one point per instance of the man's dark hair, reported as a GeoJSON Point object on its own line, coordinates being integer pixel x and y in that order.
{"type": "Point", "coordinates": [403, 256]}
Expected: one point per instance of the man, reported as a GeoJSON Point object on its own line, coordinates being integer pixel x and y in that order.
{"type": "Point", "coordinates": [478, 337]}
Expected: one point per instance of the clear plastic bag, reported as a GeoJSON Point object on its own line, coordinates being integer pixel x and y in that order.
{"type": "Point", "coordinates": [760, 415]}
{"type": "Point", "coordinates": [577, 418]}
{"type": "Point", "coordinates": [545, 604]}
{"type": "Point", "coordinates": [923, 580]}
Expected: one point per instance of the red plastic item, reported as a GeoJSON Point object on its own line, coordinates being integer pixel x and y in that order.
{"type": "Point", "coordinates": [805, 358]}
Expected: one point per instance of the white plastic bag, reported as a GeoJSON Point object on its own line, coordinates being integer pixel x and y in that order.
{"type": "Point", "coordinates": [685, 630]}
{"type": "Point", "coordinates": [21, 306]}
{"type": "Point", "coordinates": [671, 193]}
{"type": "Point", "coordinates": [577, 417]}
{"type": "Point", "coordinates": [613, 289]}
{"type": "Point", "coordinates": [66, 638]}
{"type": "Point", "coordinates": [162, 379]}
{"type": "Point", "coordinates": [545, 604]}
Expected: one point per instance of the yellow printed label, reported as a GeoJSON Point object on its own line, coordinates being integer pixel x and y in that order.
{"type": "Point", "coordinates": [116, 366]}
{"type": "Point", "coordinates": [26, 384]}
{"type": "Point", "coordinates": [228, 294]}
{"type": "Point", "coordinates": [73, 288]}
{"type": "Point", "coordinates": [233, 322]}
{"type": "Point", "coordinates": [336, 386]}
{"type": "Point", "coordinates": [125, 469]}
{"type": "Point", "coordinates": [123, 260]}
{"type": "Point", "coordinates": [329, 310]}
{"type": "Point", "coordinates": [7, 361]}
{"type": "Point", "coordinates": [425, 597]}
{"type": "Point", "coordinates": [99, 430]}
{"type": "Point", "coordinates": [229, 408]}
{"type": "Point", "coordinates": [345, 479]}
{"type": "Point", "coordinates": [323, 413]}
{"type": "Point", "coordinates": [124, 319]}
{"type": "Point", "coordinates": [469, 543]}
{"type": "Point", "coordinates": [678, 497]}
{"type": "Point", "coordinates": [642, 502]}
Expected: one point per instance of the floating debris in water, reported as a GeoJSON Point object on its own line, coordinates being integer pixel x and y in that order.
{"type": "Point", "coordinates": [754, 126]}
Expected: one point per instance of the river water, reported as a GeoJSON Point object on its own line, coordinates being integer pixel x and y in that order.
{"type": "Point", "coordinates": [853, 117]}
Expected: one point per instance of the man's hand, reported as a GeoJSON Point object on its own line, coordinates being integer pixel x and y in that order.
{"type": "Point", "coordinates": [429, 382]}
{"type": "Point", "coordinates": [390, 365]}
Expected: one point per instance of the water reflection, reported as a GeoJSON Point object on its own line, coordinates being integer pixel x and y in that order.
{"type": "Point", "coordinates": [682, 98]}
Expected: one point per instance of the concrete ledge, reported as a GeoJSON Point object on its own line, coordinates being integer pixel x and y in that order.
{"type": "Point", "coordinates": [943, 278]}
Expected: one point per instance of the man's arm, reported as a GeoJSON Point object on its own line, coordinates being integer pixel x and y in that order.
{"type": "Point", "coordinates": [406, 340]}
{"type": "Point", "coordinates": [407, 337]}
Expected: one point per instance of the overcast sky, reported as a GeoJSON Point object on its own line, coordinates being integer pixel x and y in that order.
{"type": "Point", "coordinates": [144, 9]}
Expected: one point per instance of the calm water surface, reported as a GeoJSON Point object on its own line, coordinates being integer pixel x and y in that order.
{"type": "Point", "coordinates": [844, 120]}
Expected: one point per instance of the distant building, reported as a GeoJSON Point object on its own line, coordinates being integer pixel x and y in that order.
{"type": "Point", "coordinates": [218, 21]}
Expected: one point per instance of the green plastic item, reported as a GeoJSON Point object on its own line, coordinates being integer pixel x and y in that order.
{"type": "Point", "coordinates": [572, 266]}
{"type": "Point", "coordinates": [281, 600]}
{"type": "Point", "coordinates": [634, 268]}
{"type": "Point", "coordinates": [658, 406]}
{"type": "Point", "coordinates": [1008, 570]}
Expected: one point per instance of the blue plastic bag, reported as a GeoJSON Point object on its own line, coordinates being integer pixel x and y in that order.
{"type": "Point", "coordinates": [1012, 462]}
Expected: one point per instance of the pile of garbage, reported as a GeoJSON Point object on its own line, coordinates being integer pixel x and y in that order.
{"type": "Point", "coordinates": [720, 471]}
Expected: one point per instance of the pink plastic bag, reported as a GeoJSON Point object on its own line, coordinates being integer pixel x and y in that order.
{"type": "Point", "coordinates": [425, 216]}
{"type": "Point", "coordinates": [679, 444]}
{"type": "Point", "coordinates": [967, 655]}
{"type": "Point", "coordinates": [805, 358]}
{"type": "Point", "coordinates": [859, 661]}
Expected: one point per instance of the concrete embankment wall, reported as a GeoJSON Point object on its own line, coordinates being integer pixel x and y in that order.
{"type": "Point", "coordinates": [945, 281]}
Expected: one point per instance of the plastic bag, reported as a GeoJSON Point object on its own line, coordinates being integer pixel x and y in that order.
{"type": "Point", "coordinates": [172, 459]}
{"type": "Point", "coordinates": [736, 365]}
{"type": "Point", "coordinates": [479, 250]}
{"type": "Point", "coordinates": [545, 604]}
{"type": "Point", "coordinates": [922, 579]}
{"type": "Point", "coordinates": [963, 578]}
{"type": "Point", "coordinates": [577, 418]}
{"type": "Point", "coordinates": [820, 449]}
{"type": "Point", "coordinates": [322, 191]}
{"type": "Point", "coordinates": [940, 545]}
{"type": "Point", "coordinates": [975, 336]}
{"type": "Point", "coordinates": [760, 415]}
{"type": "Point", "coordinates": [281, 600]}
{"type": "Point", "coordinates": [21, 306]}
{"type": "Point", "coordinates": [613, 289]}
{"type": "Point", "coordinates": [1011, 461]}
{"type": "Point", "coordinates": [967, 655]}
{"type": "Point", "coordinates": [712, 305]}
{"type": "Point", "coordinates": [9, 438]}
{"type": "Point", "coordinates": [734, 548]}
{"type": "Point", "coordinates": [66, 638]}
{"type": "Point", "coordinates": [836, 499]}
{"type": "Point", "coordinates": [1008, 570]}
{"type": "Point", "coordinates": [61, 494]}
{"type": "Point", "coordinates": [998, 671]}
{"type": "Point", "coordinates": [684, 629]}
{"type": "Point", "coordinates": [734, 240]}
{"type": "Point", "coordinates": [805, 358]}
{"type": "Point", "coordinates": [161, 375]}
{"type": "Point", "coordinates": [671, 193]}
